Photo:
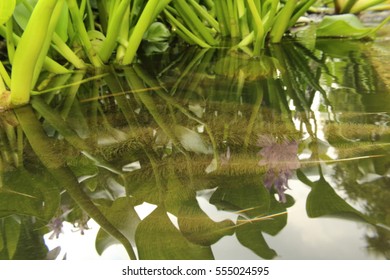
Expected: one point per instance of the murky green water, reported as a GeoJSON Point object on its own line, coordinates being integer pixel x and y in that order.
{"type": "Point", "coordinates": [206, 155]}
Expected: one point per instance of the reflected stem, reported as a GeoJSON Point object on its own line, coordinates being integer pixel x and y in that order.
{"type": "Point", "coordinates": [43, 148]}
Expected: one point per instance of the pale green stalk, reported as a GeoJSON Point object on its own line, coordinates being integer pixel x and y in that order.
{"type": "Point", "coordinates": [193, 21]}
{"type": "Point", "coordinates": [123, 35]}
{"type": "Point", "coordinates": [140, 28]}
{"type": "Point", "coordinates": [28, 52]}
{"type": "Point", "coordinates": [242, 18]}
{"type": "Point", "coordinates": [233, 19]}
{"type": "Point", "coordinates": [4, 76]}
{"type": "Point", "coordinates": [223, 24]}
{"type": "Point", "coordinates": [47, 42]}
{"type": "Point", "coordinates": [364, 5]}
{"type": "Point", "coordinates": [10, 40]}
{"type": "Point", "coordinates": [187, 34]}
{"type": "Point", "coordinates": [62, 48]}
{"type": "Point", "coordinates": [282, 21]}
{"type": "Point", "coordinates": [83, 34]}
{"type": "Point", "coordinates": [113, 30]}
{"type": "Point", "coordinates": [205, 15]}
{"type": "Point", "coordinates": [303, 9]}
{"type": "Point", "coordinates": [258, 29]}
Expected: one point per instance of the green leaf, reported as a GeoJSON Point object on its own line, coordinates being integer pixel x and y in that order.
{"type": "Point", "coordinates": [243, 194]}
{"type": "Point", "coordinates": [198, 228]}
{"type": "Point", "coordinates": [123, 216]}
{"type": "Point", "coordinates": [250, 235]}
{"type": "Point", "coordinates": [11, 233]}
{"type": "Point", "coordinates": [324, 201]}
{"type": "Point", "coordinates": [346, 25]}
{"type": "Point", "coordinates": [157, 32]}
{"type": "Point", "coordinates": [276, 218]}
{"type": "Point", "coordinates": [7, 8]}
{"type": "Point", "coordinates": [22, 14]}
{"type": "Point", "coordinates": [29, 194]}
{"type": "Point", "coordinates": [158, 239]}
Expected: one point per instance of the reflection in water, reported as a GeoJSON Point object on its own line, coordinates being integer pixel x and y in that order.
{"type": "Point", "coordinates": [206, 137]}
{"type": "Point", "coordinates": [280, 159]}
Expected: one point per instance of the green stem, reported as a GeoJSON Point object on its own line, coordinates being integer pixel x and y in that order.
{"type": "Point", "coordinates": [140, 28]}
{"type": "Point", "coordinates": [83, 34]}
{"type": "Point", "coordinates": [114, 28]}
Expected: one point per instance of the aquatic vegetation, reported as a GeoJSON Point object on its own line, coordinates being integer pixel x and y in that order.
{"type": "Point", "coordinates": [69, 35]}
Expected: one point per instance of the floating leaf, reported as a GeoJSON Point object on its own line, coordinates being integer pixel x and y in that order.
{"type": "Point", "coordinates": [198, 228]}
{"type": "Point", "coordinates": [123, 216]}
{"type": "Point", "coordinates": [158, 239]}
{"type": "Point", "coordinates": [346, 25]}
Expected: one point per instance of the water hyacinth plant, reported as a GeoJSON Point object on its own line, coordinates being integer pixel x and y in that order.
{"type": "Point", "coordinates": [61, 36]}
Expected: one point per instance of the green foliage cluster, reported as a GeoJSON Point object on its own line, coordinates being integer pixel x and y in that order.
{"type": "Point", "coordinates": [60, 36]}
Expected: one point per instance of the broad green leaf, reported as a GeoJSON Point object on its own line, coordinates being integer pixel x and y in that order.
{"type": "Point", "coordinates": [324, 201]}
{"type": "Point", "coordinates": [157, 32]}
{"type": "Point", "coordinates": [6, 10]}
{"type": "Point", "coordinates": [250, 235]}
{"type": "Point", "coordinates": [29, 194]}
{"type": "Point", "coordinates": [198, 228]}
{"type": "Point", "coordinates": [31, 245]}
{"type": "Point", "coordinates": [245, 195]}
{"type": "Point", "coordinates": [123, 216]}
{"type": "Point", "coordinates": [22, 13]}
{"type": "Point", "coordinates": [11, 232]}
{"type": "Point", "coordinates": [276, 218]}
{"type": "Point", "coordinates": [158, 239]}
{"type": "Point", "coordinates": [347, 25]}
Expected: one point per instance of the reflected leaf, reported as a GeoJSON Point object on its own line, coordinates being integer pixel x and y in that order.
{"type": "Point", "coordinates": [198, 228]}
{"type": "Point", "coordinates": [1, 241]}
{"type": "Point", "coordinates": [158, 239]}
{"type": "Point", "coordinates": [53, 254]}
{"type": "Point", "coordinates": [250, 235]}
{"type": "Point", "coordinates": [191, 140]}
{"type": "Point", "coordinates": [123, 216]}
{"type": "Point", "coordinates": [276, 218]}
{"type": "Point", "coordinates": [29, 194]}
{"type": "Point", "coordinates": [11, 233]}
{"type": "Point", "coordinates": [244, 195]}
{"type": "Point", "coordinates": [324, 201]}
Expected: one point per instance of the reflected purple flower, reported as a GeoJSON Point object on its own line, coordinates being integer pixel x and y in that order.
{"type": "Point", "coordinates": [55, 225]}
{"type": "Point", "coordinates": [280, 158]}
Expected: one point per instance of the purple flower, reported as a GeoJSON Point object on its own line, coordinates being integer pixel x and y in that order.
{"type": "Point", "coordinates": [280, 158]}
